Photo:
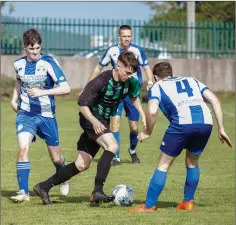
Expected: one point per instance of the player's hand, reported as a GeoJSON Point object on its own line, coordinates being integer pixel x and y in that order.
{"type": "Point", "coordinates": [35, 92]}
{"type": "Point", "coordinates": [14, 106]}
{"type": "Point", "coordinates": [144, 122]}
{"type": "Point", "coordinates": [98, 127]}
{"type": "Point", "coordinates": [143, 135]}
{"type": "Point", "coordinates": [224, 138]}
{"type": "Point", "coordinates": [149, 84]}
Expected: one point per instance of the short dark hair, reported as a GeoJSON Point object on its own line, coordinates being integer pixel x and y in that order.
{"type": "Point", "coordinates": [31, 37]}
{"type": "Point", "coordinates": [128, 59]}
{"type": "Point", "coordinates": [162, 70]}
{"type": "Point", "coordinates": [124, 27]}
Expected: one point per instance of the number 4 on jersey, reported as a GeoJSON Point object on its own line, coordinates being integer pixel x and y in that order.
{"type": "Point", "coordinates": [183, 86]}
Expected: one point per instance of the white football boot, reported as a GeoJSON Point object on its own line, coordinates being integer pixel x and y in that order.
{"type": "Point", "coordinates": [20, 197]}
{"type": "Point", "coordinates": [64, 188]}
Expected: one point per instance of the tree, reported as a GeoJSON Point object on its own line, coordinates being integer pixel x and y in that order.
{"type": "Point", "coordinates": [11, 6]}
{"type": "Point", "coordinates": [205, 11]}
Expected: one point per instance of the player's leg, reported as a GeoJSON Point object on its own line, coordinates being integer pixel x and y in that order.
{"type": "Point", "coordinates": [59, 162]}
{"type": "Point", "coordinates": [171, 147]}
{"type": "Point", "coordinates": [115, 128]}
{"type": "Point", "coordinates": [87, 150]}
{"type": "Point", "coordinates": [110, 146]}
{"type": "Point", "coordinates": [156, 184]}
{"type": "Point", "coordinates": [133, 116]}
{"type": "Point", "coordinates": [25, 134]}
{"type": "Point", "coordinates": [81, 164]}
{"type": "Point", "coordinates": [197, 141]}
{"type": "Point", "coordinates": [48, 131]}
{"type": "Point", "coordinates": [191, 182]}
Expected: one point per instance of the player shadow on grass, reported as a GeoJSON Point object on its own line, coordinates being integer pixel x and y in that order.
{"type": "Point", "coordinates": [128, 161]}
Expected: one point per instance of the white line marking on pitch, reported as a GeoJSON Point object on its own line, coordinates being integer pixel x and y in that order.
{"type": "Point", "coordinates": [229, 114]}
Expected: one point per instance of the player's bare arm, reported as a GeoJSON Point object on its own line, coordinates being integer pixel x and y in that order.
{"type": "Point", "coordinates": [149, 75]}
{"type": "Point", "coordinates": [15, 96]}
{"type": "Point", "coordinates": [151, 112]}
{"type": "Point", "coordinates": [216, 106]}
{"type": "Point", "coordinates": [138, 105]}
{"type": "Point", "coordinates": [97, 125]}
{"type": "Point", "coordinates": [62, 89]}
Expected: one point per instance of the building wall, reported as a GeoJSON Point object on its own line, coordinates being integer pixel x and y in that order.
{"type": "Point", "coordinates": [217, 74]}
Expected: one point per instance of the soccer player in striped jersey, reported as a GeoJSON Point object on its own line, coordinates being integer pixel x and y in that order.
{"type": "Point", "coordinates": [33, 101]}
{"type": "Point", "coordinates": [111, 56]}
{"type": "Point", "coordinates": [182, 101]}
{"type": "Point", "coordinates": [98, 102]}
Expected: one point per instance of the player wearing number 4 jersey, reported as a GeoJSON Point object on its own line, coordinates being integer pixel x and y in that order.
{"type": "Point", "coordinates": [182, 101]}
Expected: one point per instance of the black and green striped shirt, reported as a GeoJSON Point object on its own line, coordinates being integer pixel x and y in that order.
{"type": "Point", "coordinates": [103, 94]}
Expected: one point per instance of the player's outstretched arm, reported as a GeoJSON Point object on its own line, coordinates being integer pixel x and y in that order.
{"type": "Point", "coordinates": [138, 106]}
{"type": "Point", "coordinates": [211, 98]}
{"type": "Point", "coordinates": [151, 112]}
{"type": "Point", "coordinates": [15, 96]}
{"type": "Point", "coordinates": [149, 75]}
{"type": "Point", "coordinates": [62, 89]}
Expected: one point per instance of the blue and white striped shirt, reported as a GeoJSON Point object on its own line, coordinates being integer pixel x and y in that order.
{"type": "Point", "coordinates": [42, 74]}
{"type": "Point", "coordinates": [181, 100]}
{"type": "Point", "coordinates": [112, 54]}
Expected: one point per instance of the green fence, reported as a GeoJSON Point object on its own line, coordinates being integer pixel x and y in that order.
{"type": "Point", "coordinates": [91, 37]}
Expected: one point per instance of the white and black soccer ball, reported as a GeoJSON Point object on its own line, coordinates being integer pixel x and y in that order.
{"type": "Point", "coordinates": [124, 195]}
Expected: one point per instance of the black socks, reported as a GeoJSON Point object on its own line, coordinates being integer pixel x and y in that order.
{"type": "Point", "coordinates": [103, 168]}
{"type": "Point", "coordinates": [64, 174]}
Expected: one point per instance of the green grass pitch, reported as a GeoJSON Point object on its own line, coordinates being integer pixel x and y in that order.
{"type": "Point", "coordinates": [214, 199]}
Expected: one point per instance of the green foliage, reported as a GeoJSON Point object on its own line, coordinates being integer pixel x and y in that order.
{"type": "Point", "coordinates": [214, 197]}
{"type": "Point", "coordinates": [205, 11]}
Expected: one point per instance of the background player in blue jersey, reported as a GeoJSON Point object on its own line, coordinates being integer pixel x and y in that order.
{"type": "Point", "coordinates": [36, 75]}
{"type": "Point", "coordinates": [182, 101]}
{"type": "Point", "coordinates": [111, 56]}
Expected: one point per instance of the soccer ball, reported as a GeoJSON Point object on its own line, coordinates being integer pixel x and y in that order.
{"type": "Point", "coordinates": [124, 195]}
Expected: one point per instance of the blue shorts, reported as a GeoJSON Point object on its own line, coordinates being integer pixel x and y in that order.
{"type": "Point", "coordinates": [130, 110]}
{"type": "Point", "coordinates": [192, 137]}
{"type": "Point", "coordinates": [45, 127]}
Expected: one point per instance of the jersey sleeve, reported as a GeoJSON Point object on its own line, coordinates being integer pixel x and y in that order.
{"type": "Point", "coordinates": [106, 58]}
{"type": "Point", "coordinates": [134, 90]}
{"type": "Point", "coordinates": [91, 92]}
{"type": "Point", "coordinates": [16, 72]}
{"type": "Point", "coordinates": [154, 92]}
{"type": "Point", "coordinates": [202, 87]}
{"type": "Point", "coordinates": [55, 71]}
{"type": "Point", "coordinates": [143, 61]}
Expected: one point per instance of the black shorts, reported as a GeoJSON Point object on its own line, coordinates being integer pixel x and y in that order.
{"type": "Point", "coordinates": [87, 141]}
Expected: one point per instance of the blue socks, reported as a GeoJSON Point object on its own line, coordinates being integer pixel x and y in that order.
{"type": "Point", "coordinates": [133, 140]}
{"type": "Point", "coordinates": [59, 166]}
{"type": "Point", "coordinates": [23, 170]}
{"type": "Point", "coordinates": [155, 188]}
{"type": "Point", "coordinates": [117, 137]}
{"type": "Point", "coordinates": [191, 183]}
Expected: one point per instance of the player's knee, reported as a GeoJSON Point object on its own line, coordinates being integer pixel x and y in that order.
{"type": "Point", "coordinates": [113, 147]}
{"type": "Point", "coordinates": [57, 160]}
{"type": "Point", "coordinates": [82, 166]}
{"type": "Point", "coordinates": [191, 163]}
{"type": "Point", "coordinates": [133, 127]}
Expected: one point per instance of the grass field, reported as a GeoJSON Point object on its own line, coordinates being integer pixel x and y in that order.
{"type": "Point", "coordinates": [214, 200]}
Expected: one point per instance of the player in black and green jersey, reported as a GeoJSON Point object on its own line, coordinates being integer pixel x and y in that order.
{"type": "Point", "coordinates": [98, 103]}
